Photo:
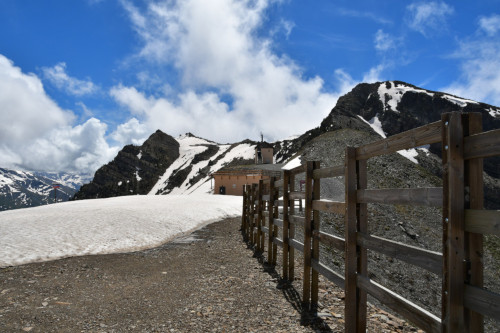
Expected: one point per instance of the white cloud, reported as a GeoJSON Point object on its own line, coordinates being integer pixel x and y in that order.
{"type": "Point", "coordinates": [428, 18]}
{"type": "Point", "coordinates": [217, 52]}
{"type": "Point", "coordinates": [131, 132]}
{"type": "Point", "coordinates": [480, 70]}
{"type": "Point", "coordinates": [363, 15]}
{"type": "Point", "coordinates": [57, 76]}
{"type": "Point", "coordinates": [384, 41]}
{"type": "Point", "coordinates": [36, 134]}
{"type": "Point", "coordinates": [491, 24]}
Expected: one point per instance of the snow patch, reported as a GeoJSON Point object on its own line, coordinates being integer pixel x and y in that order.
{"type": "Point", "coordinates": [112, 225]}
{"type": "Point", "coordinates": [139, 156]}
{"type": "Point", "coordinates": [395, 94]}
{"type": "Point", "coordinates": [375, 124]}
{"type": "Point", "coordinates": [494, 112]}
{"type": "Point", "coordinates": [462, 102]}
{"type": "Point", "coordinates": [293, 163]}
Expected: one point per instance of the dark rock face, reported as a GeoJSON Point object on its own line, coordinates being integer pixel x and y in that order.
{"type": "Point", "coordinates": [135, 170]}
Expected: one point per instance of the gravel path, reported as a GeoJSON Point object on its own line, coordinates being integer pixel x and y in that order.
{"type": "Point", "coordinates": [208, 282]}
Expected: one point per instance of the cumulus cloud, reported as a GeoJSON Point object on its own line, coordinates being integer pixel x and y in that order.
{"type": "Point", "coordinates": [234, 86]}
{"type": "Point", "coordinates": [57, 76]}
{"type": "Point", "coordinates": [36, 134]}
{"type": "Point", "coordinates": [490, 24]}
{"type": "Point", "coordinates": [428, 18]}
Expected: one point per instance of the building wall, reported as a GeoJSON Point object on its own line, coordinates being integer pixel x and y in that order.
{"type": "Point", "coordinates": [267, 155]}
{"type": "Point", "coordinates": [234, 183]}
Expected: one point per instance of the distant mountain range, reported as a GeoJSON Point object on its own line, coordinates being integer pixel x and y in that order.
{"type": "Point", "coordinates": [167, 165]}
{"type": "Point", "coordinates": [21, 189]}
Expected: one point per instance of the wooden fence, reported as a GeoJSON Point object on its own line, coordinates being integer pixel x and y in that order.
{"type": "Point", "coordinates": [464, 300]}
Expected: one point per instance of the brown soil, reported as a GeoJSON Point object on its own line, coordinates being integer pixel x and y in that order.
{"type": "Point", "coordinates": [212, 284]}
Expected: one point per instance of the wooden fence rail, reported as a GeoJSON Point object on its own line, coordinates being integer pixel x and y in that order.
{"type": "Point", "coordinates": [464, 300]}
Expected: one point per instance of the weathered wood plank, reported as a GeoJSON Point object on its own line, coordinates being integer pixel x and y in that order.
{"type": "Point", "coordinates": [474, 241]}
{"type": "Point", "coordinates": [417, 315]}
{"type": "Point", "coordinates": [279, 203]}
{"type": "Point", "coordinates": [278, 183]}
{"type": "Point", "coordinates": [362, 180]}
{"type": "Point", "coordinates": [430, 196]}
{"type": "Point", "coordinates": [482, 301]}
{"type": "Point", "coordinates": [456, 234]}
{"type": "Point", "coordinates": [329, 206]}
{"type": "Point", "coordinates": [265, 230]}
{"type": "Point", "coordinates": [482, 145]}
{"type": "Point", "coordinates": [316, 222]}
{"type": "Point", "coordinates": [286, 222]}
{"type": "Point", "coordinates": [297, 220]}
{"type": "Point", "coordinates": [296, 244]}
{"type": "Point", "coordinates": [265, 213]}
{"type": "Point", "coordinates": [351, 253]}
{"type": "Point", "coordinates": [336, 171]}
{"type": "Point", "coordinates": [328, 239]}
{"type": "Point", "coordinates": [278, 241]}
{"type": "Point", "coordinates": [482, 221]}
{"type": "Point", "coordinates": [429, 260]}
{"type": "Point", "coordinates": [328, 273]}
{"type": "Point", "coordinates": [306, 279]}
{"type": "Point", "coordinates": [266, 181]}
{"type": "Point", "coordinates": [278, 222]}
{"type": "Point", "coordinates": [266, 197]}
{"type": "Point", "coordinates": [297, 195]}
{"type": "Point", "coordinates": [416, 137]}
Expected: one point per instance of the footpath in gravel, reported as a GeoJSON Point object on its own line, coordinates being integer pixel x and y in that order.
{"type": "Point", "coordinates": [210, 281]}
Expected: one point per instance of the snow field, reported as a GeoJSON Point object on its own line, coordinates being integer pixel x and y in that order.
{"type": "Point", "coordinates": [99, 226]}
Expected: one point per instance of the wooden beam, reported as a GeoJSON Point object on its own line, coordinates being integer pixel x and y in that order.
{"type": "Point", "coordinates": [481, 145]}
{"type": "Point", "coordinates": [351, 253]}
{"type": "Point", "coordinates": [296, 244]}
{"type": "Point", "coordinates": [306, 279]}
{"type": "Point", "coordinates": [416, 137]}
{"type": "Point", "coordinates": [429, 260]}
{"type": "Point", "coordinates": [331, 275]}
{"type": "Point", "coordinates": [297, 195]}
{"type": "Point", "coordinates": [482, 301]}
{"type": "Point", "coordinates": [297, 220]}
{"type": "Point", "coordinates": [278, 241]}
{"type": "Point", "coordinates": [329, 172]}
{"type": "Point", "coordinates": [417, 315]}
{"type": "Point", "coordinates": [474, 241]}
{"type": "Point", "coordinates": [482, 221]}
{"type": "Point", "coordinates": [278, 183]}
{"type": "Point", "coordinates": [328, 239]}
{"type": "Point", "coordinates": [455, 269]}
{"type": "Point", "coordinates": [329, 206]}
{"type": "Point", "coordinates": [315, 227]}
{"type": "Point", "coordinates": [278, 222]}
{"type": "Point", "coordinates": [430, 196]}
{"type": "Point", "coordinates": [286, 223]}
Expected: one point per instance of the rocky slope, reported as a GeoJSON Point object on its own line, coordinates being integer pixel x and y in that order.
{"type": "Point", "coordinates": [21, 189]}
{"type": "Point", "coordinates": [134, 170]}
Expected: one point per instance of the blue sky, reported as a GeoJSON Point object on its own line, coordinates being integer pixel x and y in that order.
{"type": "Point", "coordinates": [80, 79]}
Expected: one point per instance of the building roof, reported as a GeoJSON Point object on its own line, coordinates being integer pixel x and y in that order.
{"type": "Point", "coordinates": [251, 168]}
{"type": "Point", "coordinates": [263, 144]}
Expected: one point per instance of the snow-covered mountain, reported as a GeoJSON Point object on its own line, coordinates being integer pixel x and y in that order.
{"type": "Point", "coordinates": [164, 165]}
{"type": "Point", "coordinates": [20, 189]}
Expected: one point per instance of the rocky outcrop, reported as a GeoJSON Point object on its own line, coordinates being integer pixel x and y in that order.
{"type": "Point", "coordinates": [135, 170]}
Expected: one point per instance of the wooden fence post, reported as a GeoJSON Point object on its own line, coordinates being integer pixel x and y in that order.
{"type": "Point", "coordinates": [291, 232]}
{"type": "Point", "coordinates": [362, 226]}
{"type": "Point", "coordinates": [253, 224]}
{"type": "Point", "coordinates": [259, 216]}
{"type": "Point", "coordinates": [244, 212]}
{"type": "Point", "coordinates": [270, 210]}
{"type": "Point", "coordinates": [474, 242]}
{"type": "Point", "coordinates": [315, 241]}
{"type": "Point", "coordinates": [275, 212]}
{"type": "Point", "coordinates": [286, 222]}
{"type": "Point", "coordinates": [353, 318]}
{"type": "Point", "coordinates": [306, 286]}
{"type": "Point", "coordinates": [453, 214]}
